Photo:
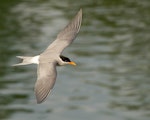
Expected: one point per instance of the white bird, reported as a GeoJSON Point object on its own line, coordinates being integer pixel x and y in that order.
{"type": "Point", "coordinates": [51, 57]}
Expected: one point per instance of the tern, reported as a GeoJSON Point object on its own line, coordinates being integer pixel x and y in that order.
{"type": "Point", "coordinates": [52, 57]}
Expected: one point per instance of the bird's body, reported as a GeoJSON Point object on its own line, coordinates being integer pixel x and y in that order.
{"type": "Point", "coordinates": [51, 57]}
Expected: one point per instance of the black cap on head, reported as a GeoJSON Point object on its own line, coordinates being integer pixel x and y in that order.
{"type": "Point", "coordinates": [65, 59]}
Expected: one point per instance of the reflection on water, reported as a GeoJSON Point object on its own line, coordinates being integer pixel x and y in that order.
{"type": "Point", "coordinates": [111, 80]}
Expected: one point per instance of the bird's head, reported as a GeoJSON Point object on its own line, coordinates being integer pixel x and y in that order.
{"type": "Point", "coordinates": [65, 60]}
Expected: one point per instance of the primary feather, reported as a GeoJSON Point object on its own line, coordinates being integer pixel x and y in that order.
{"type": "Point", "coordinates": [67, 35]}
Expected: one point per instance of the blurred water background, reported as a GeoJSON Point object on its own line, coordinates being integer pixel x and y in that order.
{"type": "Point", "coordinates": [112, 78]}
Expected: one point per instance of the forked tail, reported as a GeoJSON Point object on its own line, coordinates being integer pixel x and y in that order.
{"type": "Point", "coordinates": [25, 60]}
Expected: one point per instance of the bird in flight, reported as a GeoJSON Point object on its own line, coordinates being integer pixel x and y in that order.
{"type": "Point", "coordinates": [52, 57]}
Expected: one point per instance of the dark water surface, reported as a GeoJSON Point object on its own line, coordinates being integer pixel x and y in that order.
{"type": "Point", "coordinates": [112, 79]}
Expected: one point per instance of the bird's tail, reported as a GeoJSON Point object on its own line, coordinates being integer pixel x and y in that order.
{"type": "Point", "coordinates": [25, 60]}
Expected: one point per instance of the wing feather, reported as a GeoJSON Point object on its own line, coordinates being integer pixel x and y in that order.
{"type": "Point", "coordinates": [67, 35]}
{"type": "Point", "coordinates": [46, 79]}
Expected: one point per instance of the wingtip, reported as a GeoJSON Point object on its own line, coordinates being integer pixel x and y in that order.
{"type": "Point", "coordinates": [80, 11]}
{"type": "Point", "coordinates": [40, 99]}
{"type": "Point", "coordinates": [39, 102]}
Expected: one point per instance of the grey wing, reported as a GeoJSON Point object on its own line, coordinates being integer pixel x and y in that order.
{"type": "Point", "coordinates": [67, 35]}
{"type": "Point", "coordinates": [46, 79]}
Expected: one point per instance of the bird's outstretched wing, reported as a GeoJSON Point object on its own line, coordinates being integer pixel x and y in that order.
{"type": "Point", "coordinates": [67, 35]}
{"type": "Point", "coordinates": [46, 79]}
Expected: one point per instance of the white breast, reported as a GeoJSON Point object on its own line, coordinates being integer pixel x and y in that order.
{"type": "Point", "coordinates": [35, 59]}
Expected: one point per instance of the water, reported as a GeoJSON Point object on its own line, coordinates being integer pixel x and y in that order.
{"type": "Point", "coordinates": [111, 80]}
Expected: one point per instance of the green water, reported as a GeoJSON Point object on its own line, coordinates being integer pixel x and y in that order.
{"type": "Point", "coordinates": [112, 78]}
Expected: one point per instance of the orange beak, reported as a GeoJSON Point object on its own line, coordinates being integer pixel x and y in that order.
{"type": "Point", "coordinates": [72, 63]}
